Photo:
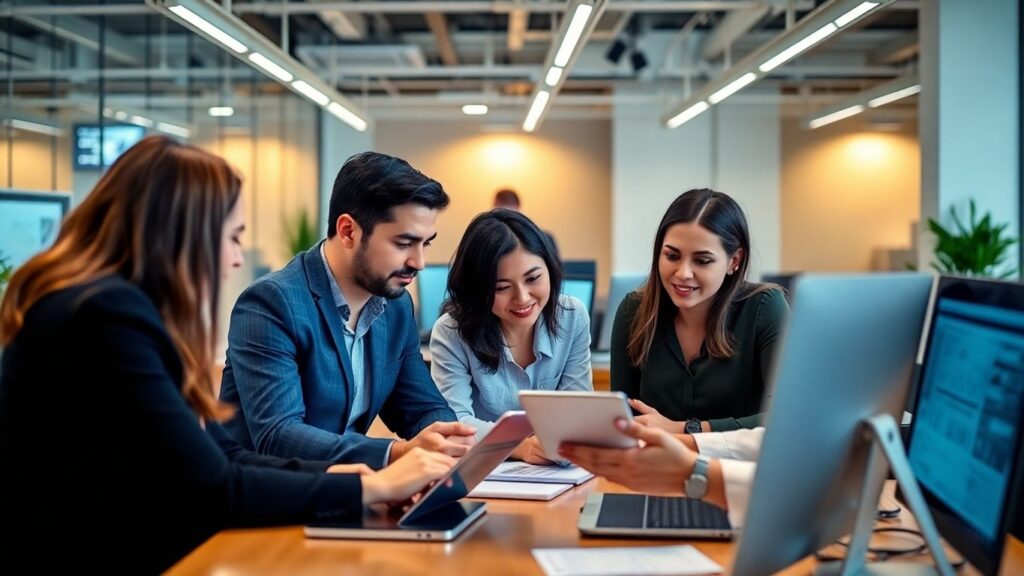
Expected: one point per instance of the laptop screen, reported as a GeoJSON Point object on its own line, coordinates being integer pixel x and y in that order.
{"type": "Point", "coordinates": [968, 417]}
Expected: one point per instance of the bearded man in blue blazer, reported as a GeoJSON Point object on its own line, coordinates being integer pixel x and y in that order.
{"type": "Point", "coordinates": [319, 348]}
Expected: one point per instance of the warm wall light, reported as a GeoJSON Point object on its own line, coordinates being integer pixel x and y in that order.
{"type": "Point", "coordinates": [866, 148]}
{"type": "Point", "coordinates": [474, 109]}
{"type": "Point", "coordinates": [502, 151]}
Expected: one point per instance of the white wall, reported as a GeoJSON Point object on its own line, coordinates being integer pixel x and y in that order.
{"type": "Point", "coordinates": [733, 148]}
{"type": "Point", "coordinates": [337, 143]}
{"type": "Point", "coordinates": [969, 112]}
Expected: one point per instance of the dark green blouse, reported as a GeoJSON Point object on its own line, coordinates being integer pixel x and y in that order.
{"type": "Point", "coordinates": [728, 393]}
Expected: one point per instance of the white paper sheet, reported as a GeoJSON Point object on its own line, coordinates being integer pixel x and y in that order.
{"type": "Point", "coordinates": [522, 472]}
{"type": "Point", "coordinates": [646, 561]}
{"type": "Point", "coordinates": [518, 490]}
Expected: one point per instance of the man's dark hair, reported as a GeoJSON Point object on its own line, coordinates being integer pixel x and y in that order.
{"type": "Point", "coordinates": [370, 184]}
{"type": "Point", "coordinates": [506, 198]}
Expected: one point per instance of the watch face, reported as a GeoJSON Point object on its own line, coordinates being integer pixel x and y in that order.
{"type": "Point", "coordinates": [692, 426]}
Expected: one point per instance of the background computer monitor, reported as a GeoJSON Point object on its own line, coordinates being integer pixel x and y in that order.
{"type": "Point", "coordinates": [965, 439]}
{"type": "Point", "coordinates": [582, 288]}
{"type": "Point", "coordinates": [117, 138]}
{"type": "Point", "coordinates": [846, 356]}
{"type": "Point", "coordinates": [621, 285]}
{"type": "Point", "coordinates": [431, 291]}
{"type": "Point", "coordinates": [29, 223]}
{"type": "Point", "coordinates": [579, 268]}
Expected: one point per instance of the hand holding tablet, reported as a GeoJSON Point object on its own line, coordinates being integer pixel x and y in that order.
{"type": "Point", "coordinates": [577, 417]}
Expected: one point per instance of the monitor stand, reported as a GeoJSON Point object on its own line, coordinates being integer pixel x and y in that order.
{"type": "Point", "coordinates": [884, 435]}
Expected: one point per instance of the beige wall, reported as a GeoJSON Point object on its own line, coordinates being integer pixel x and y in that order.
{"type": "Point", "coordinates": [33, 162]}
{"type": "Point", "coordinates": [846, 193]}
{"type": "Point", "coordinates": [562, 174]}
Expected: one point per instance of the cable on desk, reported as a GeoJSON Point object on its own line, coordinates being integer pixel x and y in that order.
{"type": "Point", "coordinates": [884, 553]}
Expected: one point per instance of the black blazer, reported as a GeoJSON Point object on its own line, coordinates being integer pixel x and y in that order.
{"type": "Point", "coordinates": [105, 468]}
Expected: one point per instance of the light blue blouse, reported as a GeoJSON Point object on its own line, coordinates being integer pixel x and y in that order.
{"type": "Point", "coordinates": [479, 398]}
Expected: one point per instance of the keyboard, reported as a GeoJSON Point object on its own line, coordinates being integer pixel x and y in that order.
{"type": "Point", "coordinates": [671, 512]}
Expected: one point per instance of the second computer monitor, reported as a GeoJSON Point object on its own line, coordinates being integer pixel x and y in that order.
{"type": "Point", "coordinates": [431, 291]}
{"type": "Point", "coordinates": [621, 286]}
{"type": "Point", "coordinates": [847, 355]}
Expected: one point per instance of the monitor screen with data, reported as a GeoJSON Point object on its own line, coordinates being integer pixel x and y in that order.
{"type": "Point", "coordinates": [966, 433]}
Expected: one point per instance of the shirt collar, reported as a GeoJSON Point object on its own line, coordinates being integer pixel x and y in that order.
{"type": "Point", "coordinates": [542, 340]}
{"type": "Point", "coordinates": [374, 306]}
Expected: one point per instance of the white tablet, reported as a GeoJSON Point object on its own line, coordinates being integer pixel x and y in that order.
{"type": "Point", "coordinates": [578, 417]}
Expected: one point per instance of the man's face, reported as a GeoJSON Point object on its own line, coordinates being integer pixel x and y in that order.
{"type": "Point", "coordinates": [388, 260]}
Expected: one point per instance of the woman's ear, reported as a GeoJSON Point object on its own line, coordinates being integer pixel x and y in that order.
{"type": "Point", "coordinates": [736, 261]}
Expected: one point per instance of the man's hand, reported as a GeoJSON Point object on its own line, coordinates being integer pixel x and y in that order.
{"type": "Point", "coordinates": [450, 438]}
{"type": "Point", "coordinates": [361, 469]}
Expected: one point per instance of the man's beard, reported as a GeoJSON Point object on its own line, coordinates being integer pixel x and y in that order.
{"type": "Point", "coordinates": [366, 279]}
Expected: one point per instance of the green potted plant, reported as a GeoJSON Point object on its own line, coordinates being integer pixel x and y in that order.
{"type": "Point", "coordinates": [6, 269]}
{"type": "Point", "coordinates": [300, 232]}
{"type": "Point", "coordinates": [978, 249]}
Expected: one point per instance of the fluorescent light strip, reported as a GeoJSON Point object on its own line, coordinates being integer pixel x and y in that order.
{"type": "Point", "coordinates": [894, 96]}
{"type": "Point", "coordinates": [732, 87]}
{"type": "Point", "coordinates": [860, 10]}
{"type": "Point", "coordinates": [787, 54]}
{"type": "Point", "coordinates": [33, 127]}
{"type": "Point", "coordinates": [120, 115]}
{"type": "Point", "coordinates": [474, 109]}
{"type": "Point", "coordinates": [536, 109]}
{"type": "Point", "coordinates": [173, 130]}
{"type": "Point", "coordinates": [141, 121]}
{"type": "Point", "coordinates": [310, 92]}
{"type": "Point", "coordinates": [836, 116]}
{"type": "Point", "coordinates": [553, 76]}
{"type": "Point", "coordinates": [573, 34]}
{"type": "Point", "coordinates": [346, 116]}
{"type": "Point", "coordinates": [221, 111]}
{"type": "Point", "coordinates": [208, 28]}
{"type": "Point", "coordinates": [687, 115]}
{"type": "Point", "coordinates": [271, 67]}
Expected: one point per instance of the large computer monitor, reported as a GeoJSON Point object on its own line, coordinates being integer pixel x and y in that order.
{"type": "Point", "coordinates": [116, 139]}
{"type": "Point", "coordinates": [29, 223]}
{"type": "Point", "coordinates": [965, 439]}
{"type": "Point", "coordinates": [431, 292]}
{"type": "Point", "coordinates": [580, 288]}
{"type": "Point", "coordinates": [621, 285]}
{"type": "Point", "coordinates": [847, 355]}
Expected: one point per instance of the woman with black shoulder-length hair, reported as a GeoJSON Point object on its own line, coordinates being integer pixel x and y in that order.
{"type": "Point", "coordinates": [694, 346]}
{"type": "Point", "coordinates": [505, 326]}
{"type": "Point", "coordinates": [106, 385]}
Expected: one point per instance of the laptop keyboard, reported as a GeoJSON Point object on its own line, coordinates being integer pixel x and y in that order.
{"type": "Point", "coordinates": [671, 512]}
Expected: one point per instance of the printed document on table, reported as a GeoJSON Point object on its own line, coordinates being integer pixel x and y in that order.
{"type": "Point", "coordinates": [646, 561]}
{"type": "Point", "coordinates": [522, 472]}
{"type": "Point", "coordinates": [518, 490]}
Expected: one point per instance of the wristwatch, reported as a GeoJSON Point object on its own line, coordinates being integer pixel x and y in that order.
{"type": "Point", "coordinates": [692, 426]}
{"type": "Point", "coordinates": [696, 485]}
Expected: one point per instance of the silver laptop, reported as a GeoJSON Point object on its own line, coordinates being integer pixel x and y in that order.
{"type": "Point", "coordinates": [653, 516]}
{"type": "Point", "coordinates": [438, 515]}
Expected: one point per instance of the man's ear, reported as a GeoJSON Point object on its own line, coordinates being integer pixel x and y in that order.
{"type": "Point", "coordinates": [348, 230]}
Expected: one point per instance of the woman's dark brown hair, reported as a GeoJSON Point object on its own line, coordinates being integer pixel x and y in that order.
{"type": "Point", "coordinates": [155, 218]}
{"type": "Point", "coordinates": [723, 217]}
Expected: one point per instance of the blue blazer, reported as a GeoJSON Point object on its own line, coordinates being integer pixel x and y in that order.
{"type": "Point", "coordinates": [289, 372]}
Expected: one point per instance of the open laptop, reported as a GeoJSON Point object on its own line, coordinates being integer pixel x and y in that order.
{"type": "Point", "coordinates": [438, 515]}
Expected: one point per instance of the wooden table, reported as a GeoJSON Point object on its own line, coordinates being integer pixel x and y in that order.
{"type": "Point", "coordinates": [498, 544]}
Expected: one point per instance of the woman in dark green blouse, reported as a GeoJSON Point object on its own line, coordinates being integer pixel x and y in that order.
{"type": "Point", "coordinates": [693, 348]}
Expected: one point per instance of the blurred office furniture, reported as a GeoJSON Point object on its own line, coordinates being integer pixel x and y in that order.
{"type": "Point", "coordinates": [621, 285]}
{"type": "Point", "coordinates": [431, 292]}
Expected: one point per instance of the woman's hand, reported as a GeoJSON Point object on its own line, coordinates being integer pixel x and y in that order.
{"type": "Point", "coordinates": [651, 417]}
{"type": "Point", "coordinates": [531, 452]}
{"type": "Point", "coordinates": [659, 467]}
{"type": "Point", "coordinates": [361, 469]}
{"type": "Point", "coordinates": [410, 474]}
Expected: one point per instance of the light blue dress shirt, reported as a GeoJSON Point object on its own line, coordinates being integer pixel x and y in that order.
{"type": "Point", "coordinates": [480, 398]}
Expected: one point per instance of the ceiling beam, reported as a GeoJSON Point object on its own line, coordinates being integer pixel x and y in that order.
{"type": "Point", "coordinates": [517, 21]}
{"type": "Point", "coordinates": [899, 49]}
{"type": "Point", "coordinates": [494, 7]}
{"type": "Point", "coordinates": [439, 26]}
{"type": "Point", "coordinates": [86, 33]}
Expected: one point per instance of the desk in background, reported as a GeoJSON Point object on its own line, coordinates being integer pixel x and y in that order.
{"type": "Point", "coordinates": [499, 544]}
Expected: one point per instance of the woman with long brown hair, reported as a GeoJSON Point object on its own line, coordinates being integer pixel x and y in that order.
{"type": "Point", "coordinates": [693, 348]}
{"type": "Point", "coordinates": [106, 384]}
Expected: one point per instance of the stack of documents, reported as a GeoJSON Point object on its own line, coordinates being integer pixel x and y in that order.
{"type": "Point", "coordinates": [648, 561]}
{"type": "Point", "coordinates": [521, 481]}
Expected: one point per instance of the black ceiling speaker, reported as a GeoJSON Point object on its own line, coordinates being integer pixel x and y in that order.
{"type": "Point", "coordinates": [615, 51]}
{"type": "Point", "coordinates": [638, 60]}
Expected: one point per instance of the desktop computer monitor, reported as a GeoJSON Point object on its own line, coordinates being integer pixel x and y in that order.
{"type": "Point", "coordinates": [582, 289]}
{"type": "Point", "coordinates": [29, 223]}
{"type": "Point", "coordinates": [621, 285]}
{"type": "Point", "coordinates": [847, 355]}
{"type": "Point", "coordinates": [431, 292]}
{"type": "Point", "coordinates": [965, 438]}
